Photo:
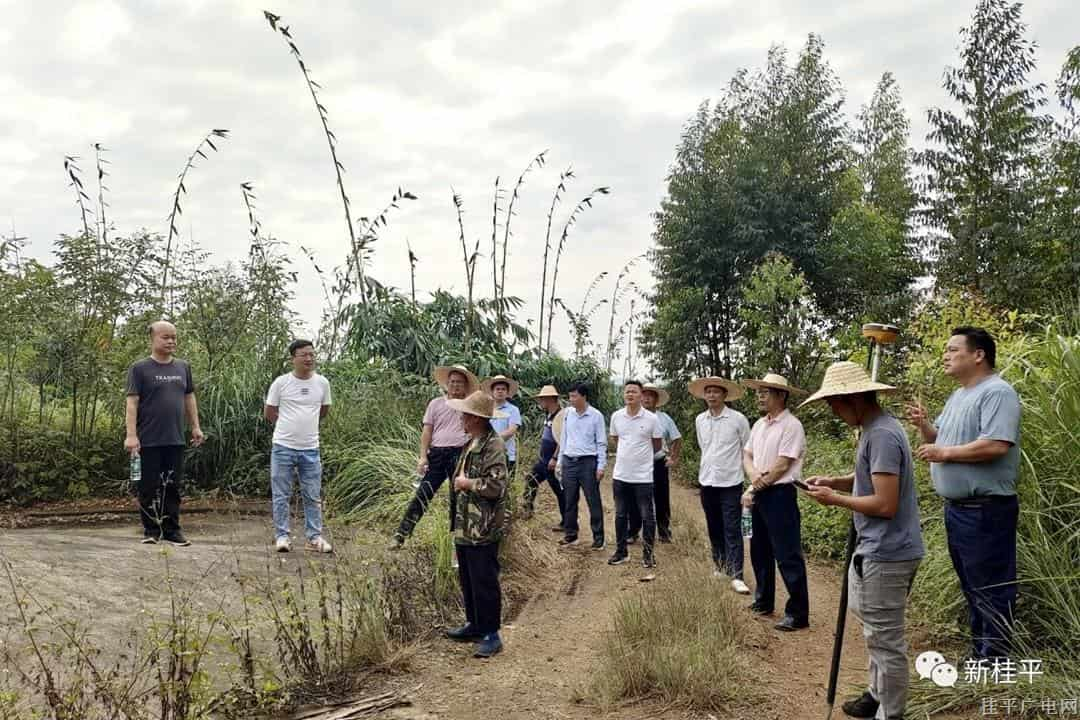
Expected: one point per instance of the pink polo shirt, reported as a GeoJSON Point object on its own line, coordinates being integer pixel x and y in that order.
{"type": "Point", "coordinates": [445, 422]}
{"type": "Point", "coordinates": [771, 438]}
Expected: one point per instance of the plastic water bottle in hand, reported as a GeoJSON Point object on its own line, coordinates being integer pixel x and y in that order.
{"type": "Point", "coordinates": [747, 523]}
{"type": "Point", "coordinates": [135, 474]}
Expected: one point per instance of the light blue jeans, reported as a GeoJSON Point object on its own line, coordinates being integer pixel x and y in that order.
{"type": "Point", "coordinates": [307, 466]}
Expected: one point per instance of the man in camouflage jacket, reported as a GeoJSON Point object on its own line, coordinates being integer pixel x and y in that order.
{"type": "Point", "coordinates": [479, 523]}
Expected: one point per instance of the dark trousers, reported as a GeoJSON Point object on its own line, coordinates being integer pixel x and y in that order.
{"type": "Point", "coordinates": [661, 501]}
{"type": "Point", "coordinates": [723, 517]}
{"type": "Point", "coordinates": [478, 572]}
{"type": "Point", "coordinates": [159, 489]}
{"type": "Point", "coordinates": [539, 474]}
{"type": "Point", "coordinates": [579, 476]}
{"type": "Point", "coordinates": [640, 497]}
{"type": "Point", "coordinates": [777, 541]}
{"type": "Point", "coordinates": [441, 464]}
{"type": "Point", "coordinates": [982, 545]}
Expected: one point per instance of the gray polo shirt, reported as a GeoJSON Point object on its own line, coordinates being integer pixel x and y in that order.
{"type": "Point", "coordinates": [883, 448]}
{"type": "Point", "coordinates": [987, 411]}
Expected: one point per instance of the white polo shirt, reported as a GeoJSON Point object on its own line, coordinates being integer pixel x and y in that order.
{"type": "Point", "coordinates": [634, 455]}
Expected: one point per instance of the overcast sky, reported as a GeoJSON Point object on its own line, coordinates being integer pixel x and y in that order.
{"type": "Point", "coordinates": [422, 95]}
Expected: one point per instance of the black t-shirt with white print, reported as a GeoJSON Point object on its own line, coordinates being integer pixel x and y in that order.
{"type": "Point", "coordinates": [161, 388]}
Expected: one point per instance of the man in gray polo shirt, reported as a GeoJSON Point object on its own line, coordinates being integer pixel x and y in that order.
{"type": "Point", "coordinates": [974, 453]}
{"type": "Point", "coordinates": [886, 515]}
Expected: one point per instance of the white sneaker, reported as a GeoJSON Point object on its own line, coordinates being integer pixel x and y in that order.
{"type": "Point", "coordinates": [283, 544]}
{"type": "Point", "coordinates": [740, 587]}
{"type": "Point", "coordinates": [317, 544]}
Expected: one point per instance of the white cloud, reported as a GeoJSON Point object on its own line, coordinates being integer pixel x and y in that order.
{"type": "Point", "coordinates": [91, 28]}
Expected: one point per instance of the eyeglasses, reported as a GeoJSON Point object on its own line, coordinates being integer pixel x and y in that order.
{"type": "Point", "coordinates": [305, 355]}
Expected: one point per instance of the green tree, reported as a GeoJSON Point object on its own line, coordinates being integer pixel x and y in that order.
{"type": "Point", "coordinates": [983, 161]}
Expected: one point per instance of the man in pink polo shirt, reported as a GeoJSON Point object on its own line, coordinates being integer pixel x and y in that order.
{"type": "Point", "coordinates": [772, 460]}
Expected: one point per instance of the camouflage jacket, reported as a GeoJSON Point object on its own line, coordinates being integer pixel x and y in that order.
{"type": "Point", "coordinates": [482, 513]}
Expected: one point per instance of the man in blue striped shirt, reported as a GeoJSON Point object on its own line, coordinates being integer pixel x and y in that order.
{"type": "Point", "coordinates": [582, 456]}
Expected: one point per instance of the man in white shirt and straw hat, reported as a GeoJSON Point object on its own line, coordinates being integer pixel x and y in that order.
{"type": "Point", "coordinates": [885, 507]}
{"type": "Point", "coordinates": [441, 442]}
{"type": "Point", "coordinates": [502, 388]}
{"type": "Point", "coordinates": [722, 432]}
{"type": "Point", "coordinates": [544, 468]}
{"type": "Point", "coordinates": [773, 460]}
{"type": "Point", "coordinates": [665, 459]}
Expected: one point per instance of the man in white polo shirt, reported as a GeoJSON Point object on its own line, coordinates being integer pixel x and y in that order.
{"type": "Point", "coordinates": [722, 432]}
{"type": "Point", "coordinates": [637, 436]}
{"type": "Point", "coordinates": [295, 404]}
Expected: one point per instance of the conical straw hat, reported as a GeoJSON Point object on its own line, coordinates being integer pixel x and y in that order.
{"type": "Point", "coordinates": [846, 378]}
{"type": "Point", "coordinates": [479, 403]}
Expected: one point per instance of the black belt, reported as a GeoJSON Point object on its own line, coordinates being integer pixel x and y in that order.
{"type": "Point", "coordinates": [978, 501]}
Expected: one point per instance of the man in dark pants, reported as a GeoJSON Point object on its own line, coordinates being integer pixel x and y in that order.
{"type": "Point", "coordinates": [772, 460]}
{"type": "Point", "coordinates": [544, 468]}
{"type": "Point", "coordinates": [637, 436]}
{"type": "Point", "coordinates": [160, 392]}
{"type": "Point", "coordinates": [479, 522]}
{"type": "Point", "coordinates": [722, 432]}
{"type": "Point", "coordinates": [582, 456]}
{"type": "Point", "coordinates": [664, 460]}
{"type": "Point", "coordinates": [974, 453]}
{"type": "Point", "coordinates": [440, 446]}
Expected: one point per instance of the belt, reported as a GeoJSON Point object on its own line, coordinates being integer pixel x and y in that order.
{"type": "Point", "coordinates": [978, 501]}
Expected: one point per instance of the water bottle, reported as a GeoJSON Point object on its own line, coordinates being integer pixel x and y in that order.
{"type": "Point", "coordinates": [135, 474]}
{"type": "Point", "coordinates": [747, 523]}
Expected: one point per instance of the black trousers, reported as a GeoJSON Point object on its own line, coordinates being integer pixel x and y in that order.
{"type": "Point", "coordinates": [478, 573]}
{"type": "Point", "coordinates": [777, 541]}
{"type": "Point", "coordinates": [661, 501]}
{"type": "Point", "coordinates": [441, 464]}
{"type": "Point", "coordinates": [723, 517]}
{"type": "Point", "coordinates": [639, 496]}
{"type": "Point", "coordinates": [579, 476]}
{"type": "Point", "coordinates": [159, 489]}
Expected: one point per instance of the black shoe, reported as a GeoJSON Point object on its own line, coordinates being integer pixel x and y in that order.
{"type": "Point", "coordinates": [648, 561]}
{"type": "Point", "coordinates": [177, 538]}
{"type": "Point", "coordinates": [789, 624]}
{"type": "Point", "coordinates": [148, 539]}
{"type": "Point", "coordinates": [569, 541]}
{"type": "Point", "coordinates": [488, 645]}
{"type": "Point", "coordinates": [760, 609]}
{"type": "Point", "coordinates": [665, 539]}
{"type": "Point", "coordinates": [598, 544]}
{"type": "Point", "coordinates": [465, 633]}
{"type": "Point", "coordinates": [864, 706]}
{"type": "Point", "coordinates": [619, 558]}
{"type": "Point", "coordinates": [631, 540]}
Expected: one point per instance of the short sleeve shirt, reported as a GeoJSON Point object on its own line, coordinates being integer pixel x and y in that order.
{"type": "Point", "coordinates": [299, 403]}
{"type": "Point", "coordinates": [987, 411]}
{"type": "Point", "coordinates": [883, 448]}
{"type": "Point", "coordinates": [161, 388]}
{"type": "Point", "coordinates": [634, 455]}
{"type": "Point", "coordinates": [445, 422]}
{"type": "Point", "coordinates": [670, 431]}
{"type": "Point", "coordinates": [500, 425]}
{"type": "Point", "coordinates": [721, 439]}
{"type": "Point", "coordinates": [782, 436]}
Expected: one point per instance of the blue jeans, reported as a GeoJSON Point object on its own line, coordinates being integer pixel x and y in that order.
{"type": "Point", "coordinates": [308, 468]}
{"type": "Point", "coordinates": [982, 544]}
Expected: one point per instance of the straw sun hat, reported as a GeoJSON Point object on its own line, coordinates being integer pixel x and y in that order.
{"type": "Point", "coordinates": [846, 378]}
{"type": "Point", "coordinates": [774, 382]}
{"type": "Point", "coordinates": [511, 384]}
{"type": "Point", "coordinates": [734, 389]}
{"type": "Point", "coordinates": [442, 376]}
{"type": "Point", "coordinates": [478, 403]}
{"type": "Point", "coordinates": [547, 391]}
{"type": "Point", "coordinates": [662, 395]}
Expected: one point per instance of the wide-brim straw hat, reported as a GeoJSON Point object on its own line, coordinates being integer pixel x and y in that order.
{"type": "Point", "coordinates": [442, 376]}
{"type": "Point", "coordinates": [774, 382]}
{"type": "Point", "coordinates": [547, 391]}
{"type": "Point", "coordinates": [734, 389]}
{"type": "Point", "coordinates": [511, 383]}
{"type": "Point", "coordinates": [478, 403]}
{"type": "Point", "coordinates": [846, 378]}
{"type": "Point", "coordinates": [662, 395]}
